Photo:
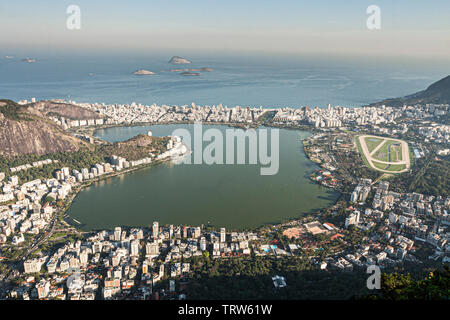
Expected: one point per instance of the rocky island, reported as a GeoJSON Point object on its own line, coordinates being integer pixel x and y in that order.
{"type": "Point", "coordinates": [189, 73]}
{"type": "Point", "coordinates": [179, 60]}
{"type": "Point", "coordinates": [204, 69]}
{"type": "Point", "coordinates": [143, 72]}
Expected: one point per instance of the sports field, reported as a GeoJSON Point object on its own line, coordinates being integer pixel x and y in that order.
{"type": "Point", "coordinates": [372, 143]}
{"type": "Point", "coordinates": [384, 154]}
{"type": "Point", "coordinates": [390, 151]}
{"type": "Point", "coordinates": [389, 167]}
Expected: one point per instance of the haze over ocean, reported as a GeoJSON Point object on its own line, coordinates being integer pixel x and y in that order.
{"type": "Point", "coordinates": [246, 79]}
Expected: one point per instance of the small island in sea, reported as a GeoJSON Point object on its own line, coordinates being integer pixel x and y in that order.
{"type": "Point", "coordinates": [204, 69]}
{"type": "Point", "coordinates": [143, 72]}
{"type": "Point", "coordinates": [179, 60]}
{"type": "Point", "coordinates": [189, 73]}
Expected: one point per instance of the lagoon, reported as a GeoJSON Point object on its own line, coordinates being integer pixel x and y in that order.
{"type": "Point", "coordinates": [231, 196]}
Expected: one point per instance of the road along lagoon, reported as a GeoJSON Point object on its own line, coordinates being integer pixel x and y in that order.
{"type": "Point", "coordinates": [232, 196]}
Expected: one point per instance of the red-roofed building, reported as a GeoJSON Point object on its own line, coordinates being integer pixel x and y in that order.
{"type": "Point", "coordinates": [337, 235]}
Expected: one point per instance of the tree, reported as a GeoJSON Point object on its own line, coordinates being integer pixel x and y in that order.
{"type": "Point", "coordinates": [49, 199]}
{"type": "Point", "coordinates": [435, 286]}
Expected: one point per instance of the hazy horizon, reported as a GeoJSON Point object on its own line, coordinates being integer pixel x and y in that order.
{"type": "Point", "coordinates": [284, 53]}
{"type": "Point", "coordinates": [408, 28]}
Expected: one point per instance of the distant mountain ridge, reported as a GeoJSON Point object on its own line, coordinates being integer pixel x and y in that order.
{"type": "Point", "coordinates": [437, 93]}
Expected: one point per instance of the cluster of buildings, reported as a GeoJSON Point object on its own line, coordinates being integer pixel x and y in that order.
{"type": "Point", "coordinates": [383, 119]}
{"type": "Point", "coordinates": [124, 263]}
{"type": "Point", "coordinates": [337, 116]}
{"type": "Point", "coordinates": [28, 214]}
{"type": "Point", "coordinates": [75, 123]}
{"type": "Point", "coordinates": [325, 178]}
{"type": "Point", "coordinates": [69, 275]}
{"type": "Point", "coordinates": [361, 191]}
{"type": "Point", "coordinates": [36, 164]}
{"type": "Point", "coordinates": [400, 220]}
{"type": "Point", "coordinates": [139, 113]}
{"type": "Point", "coordinates": [174, 148]}
{"type": "Point", "coordinates": [99, 169]}
{"type": "Point", "coordinates": [425, 111]}
{"type": "Point", "coordinates": [397, 226]}
{"type": "Point", "coordinates": [330, 117]}
{"type": "Point", "coordinates": [438, 133]}
{"type": "Point", "coordinates": [394, 237]}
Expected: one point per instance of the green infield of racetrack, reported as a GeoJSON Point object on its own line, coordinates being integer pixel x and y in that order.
{"type": "Point", "coordinates": [382, 153]}
{"type": "Point", "coordinates": [372, 143]}
{"type": "Point", "coordinates": [392, 168]}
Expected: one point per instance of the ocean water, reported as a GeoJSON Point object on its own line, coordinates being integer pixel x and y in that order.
{"type": "Point", "coordinates": [246, 80]}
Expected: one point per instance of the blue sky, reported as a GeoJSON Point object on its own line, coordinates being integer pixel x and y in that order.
{"type": "Point", "coordinates": [408, 27]}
